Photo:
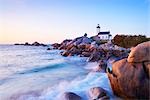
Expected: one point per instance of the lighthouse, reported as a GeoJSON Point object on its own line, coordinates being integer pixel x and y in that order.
{"type": "Point", "coordinates": [98, 29]}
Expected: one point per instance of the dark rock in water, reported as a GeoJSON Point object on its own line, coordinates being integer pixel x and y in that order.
{"type": "Point", "coordinates": [33, 44]}
{"type": "Point", "coordinates": [98, 93]}
{"type": "Point", "coordinates": [70, 96]}
{"type": "Point", "coordinates": [130, 80]}
{"type": "Point", "coordinates": [27, 44]}
{"type": "Point", "coordinates": [38, 44]}
{"type": "Point", "coordinates": [49, 48]}
{"type": "Point", "coordinates": [17, 44]}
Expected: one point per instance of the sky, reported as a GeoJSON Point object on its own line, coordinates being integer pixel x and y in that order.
{"type": "Point", "coordinates": [50, 21]}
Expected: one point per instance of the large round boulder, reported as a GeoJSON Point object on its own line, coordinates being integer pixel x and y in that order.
{"type": "Point", "coordinates": [140, 53]}
{"type": "Point", "coordinates": [130, 80]}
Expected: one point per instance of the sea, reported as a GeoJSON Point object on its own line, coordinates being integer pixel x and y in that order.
{"type": "Point", "coordinates": [35, 73]}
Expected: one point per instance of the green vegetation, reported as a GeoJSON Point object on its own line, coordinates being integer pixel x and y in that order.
{"type": "Point", "coordinates": [128, 41]}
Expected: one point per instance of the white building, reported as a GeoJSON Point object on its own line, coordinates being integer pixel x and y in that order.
{"type": "Point", "coordinates": [103, 35]}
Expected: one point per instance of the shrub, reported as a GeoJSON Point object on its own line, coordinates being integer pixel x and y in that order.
{"type": "Point", "coordinates": [128, 41]}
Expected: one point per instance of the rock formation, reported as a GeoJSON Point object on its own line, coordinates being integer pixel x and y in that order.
{"type": "Point", "coordinates": [130, 77]}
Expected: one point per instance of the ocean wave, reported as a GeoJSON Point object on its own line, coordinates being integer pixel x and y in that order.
{"type": "Point", "coordinates": [80, 86]}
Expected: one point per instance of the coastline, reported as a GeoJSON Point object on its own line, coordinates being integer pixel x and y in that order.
{"type": "Point", "coordinates": [112, 62]}
{"type": "Point", "coordinates": [107, 55]}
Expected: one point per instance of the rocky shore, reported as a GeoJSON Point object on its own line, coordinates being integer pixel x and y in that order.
{"type": "Point", "coordinates": [91, 48]}
{"type": "Point", "coordinates": [130, 73]}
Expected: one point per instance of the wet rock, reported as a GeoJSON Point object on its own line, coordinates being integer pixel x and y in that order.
{"type": "Point", "coordinates": [33, 44]}
{"type": "Point", "coordinates": [70, 96]}
{"type": "Point", "coordinates": [65, 53]}
{"type": "Point", "coordinates": [27, 44]}
{"type": "Point", "coordinates": [49, 48]}
{"type": "Point", "coordinates": [37, 44]}
{"type": "Point", "coordinates": [130, 80]}
{"type": "Point", "coordinates": [102, 66]}
{"type": "Point", "coordinates": [140, 53]}
{"type": "Point", "coordinates": [98, 93]}
{"type": "Point", "coordinates": [17, 44]}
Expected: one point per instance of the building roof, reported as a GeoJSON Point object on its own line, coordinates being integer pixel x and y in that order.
{"type": "Point", "coordinates": [98, 26]}
{"type": "Point", "coordinates": [103, 33]}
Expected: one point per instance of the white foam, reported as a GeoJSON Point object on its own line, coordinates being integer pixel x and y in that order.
{"type": "Point", "coordinates": [78, 86]}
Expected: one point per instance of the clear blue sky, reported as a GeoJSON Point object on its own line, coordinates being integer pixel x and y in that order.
{"type": "Point", "coordinates": [51, 21]}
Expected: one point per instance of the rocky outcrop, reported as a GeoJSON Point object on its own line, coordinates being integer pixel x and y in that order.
{"type": "Point", "coordinates": [88, 47]}
{"type": "Point", "coordinates": [97, 93]}
{"type": "Point", "coordinates": [38, 44]}
{"type": "Point", "coordinates": [33, 44]}
{"type": "Point", "coordinates": [70, 96]}
{"type": "Point", "coordinates": [130, 77]}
